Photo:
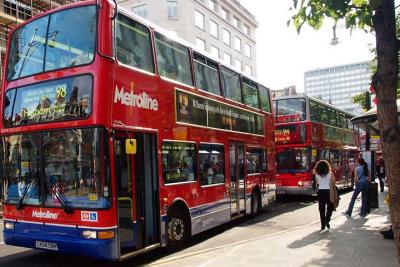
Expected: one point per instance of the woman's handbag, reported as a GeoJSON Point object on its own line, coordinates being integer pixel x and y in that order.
{"type": "Point", "coordinates": [334, 193]}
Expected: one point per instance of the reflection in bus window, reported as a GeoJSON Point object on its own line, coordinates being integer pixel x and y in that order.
{"type": "Point", "coordinates": [22, 168]}
{"type": "Point", "coordinates": [256, 160]}
{"type": "Point", "coordinates": [231, 84]}
{"type": "Point", "coordinates": [173, 60]}
{"type": "Point", "coordinates": [133, 44]}
{"type": "Point", "coordinates": [293, 160]}
{"type": "Point", "coordinates": [292, 109]}
{"type": "Point", "coordinates": [250, 93]}
{"type": "Point", "coordinates": [68, 45]}
{"type": "Point", "coordinates": [264, 98]}
{"type": "Point", "coordinates": [206, 74]}
{"type": "Point", "coordinates": [74, 172]}
{"type": "Point", "coordinates": [53, 42]}
{"type": "Point", "coordinates": [63, 99]}
{"type": "Point", "coordinates": [179, 162]}
{"type": "Point", "coordinates": [212, 164]}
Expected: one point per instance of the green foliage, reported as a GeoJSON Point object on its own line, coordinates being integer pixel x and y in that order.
{"type": "Point", "coordinates": [356, 13]}
{"type": "Point", "coordinates": [359, 99]}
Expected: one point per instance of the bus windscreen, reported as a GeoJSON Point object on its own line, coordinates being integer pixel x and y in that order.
{"type": "Point", "coordinates": [289, 110]}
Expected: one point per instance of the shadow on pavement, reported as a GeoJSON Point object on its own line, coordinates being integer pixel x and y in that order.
{"type": "Point", "coordinates": [354, 242]}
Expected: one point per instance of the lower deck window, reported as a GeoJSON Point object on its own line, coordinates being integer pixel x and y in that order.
{"type": "Point", "coordinates": [179, 162]}
{"type": "Point", "coordinates": [212, 164]}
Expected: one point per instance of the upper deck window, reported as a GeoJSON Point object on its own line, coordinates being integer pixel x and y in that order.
{"type": "Point", "coordinates": [173, 60]}
{"type": "Point", "coordinates": [134, 44]}
{"type": "Point", "coordinates": [292, 109]}
{"type": "Point", "coordinates": [53, 42]}
{"type": "Point", "coordinates": [250, 93]}
{"type": "Point", "coordinates": [206, 74]}
{"type": "Point", "coordinates": [264, 98]}
{"type": "Point", "coordinates": [231, 84]}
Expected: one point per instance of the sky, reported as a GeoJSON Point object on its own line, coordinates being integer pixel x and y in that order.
{"type": "Point", "coordinates": [283, 55]}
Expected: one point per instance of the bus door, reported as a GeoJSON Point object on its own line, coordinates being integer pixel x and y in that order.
{"type": "Point", "coordinates": [137, 192]}
{"type": "Point", "coordinates": [237, 182]}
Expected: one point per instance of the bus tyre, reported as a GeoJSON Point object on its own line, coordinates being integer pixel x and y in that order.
{"type": "Point", "coordinates": [178, 230]}
{"type": "Point", "coordinates": [255, 203]}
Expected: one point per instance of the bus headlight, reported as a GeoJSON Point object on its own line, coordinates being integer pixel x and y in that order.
{"type": "Point", "coordinates": [89, 234]}
{"type": "Point", "coordinates": [9, 225]}
{"type": "Point", "coordinates": [300, 183]}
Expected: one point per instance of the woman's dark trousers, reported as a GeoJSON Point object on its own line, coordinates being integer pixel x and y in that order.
{"type": "Point", "coordinates": [325, 206]}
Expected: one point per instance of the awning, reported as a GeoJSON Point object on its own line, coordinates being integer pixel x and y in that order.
{"type": "Point", "coordinates": [369, 119]}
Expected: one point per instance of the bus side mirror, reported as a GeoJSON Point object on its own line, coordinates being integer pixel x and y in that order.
{"type": "Point", "coordinates": [130, 146]}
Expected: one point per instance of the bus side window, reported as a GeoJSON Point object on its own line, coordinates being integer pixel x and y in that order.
{"type": "Point", "coordinates": [134, 44]}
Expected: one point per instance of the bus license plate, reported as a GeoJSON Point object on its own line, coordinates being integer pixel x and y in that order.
{"type": "Point", "coordinates": [46, 245]}
{"type": "Point", "coordinates": [280, 192]}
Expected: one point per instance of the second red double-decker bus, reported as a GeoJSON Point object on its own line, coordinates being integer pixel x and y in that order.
{"type": "Point", "coordinates": [118, 139]}
{"type": "Point", "coordinates": [307, 130]}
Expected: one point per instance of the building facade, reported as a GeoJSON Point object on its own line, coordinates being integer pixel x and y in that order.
{"type": "Point", "coordinates": [337, 85]}
{"type": "Point", "coordinates": [223, 28]}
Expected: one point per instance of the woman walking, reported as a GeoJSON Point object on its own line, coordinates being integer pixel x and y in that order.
{"type": "Point", "coordinates": [361, 180]}
{"type": "Point", "coordinates": [325, 178]}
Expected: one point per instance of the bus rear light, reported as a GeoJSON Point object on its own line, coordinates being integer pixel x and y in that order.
{"type": "Point", "coordinates": [106, 234]}
{"type": "Point", "coordinates": [9, 225]}
{"type": "Point", "coordinates": [300, 183]}
{"type": "Point", "coordinates": [89, 234]}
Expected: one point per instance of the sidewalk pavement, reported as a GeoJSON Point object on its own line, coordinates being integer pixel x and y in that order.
{"type": "Point", "coordinates": [352, 241]}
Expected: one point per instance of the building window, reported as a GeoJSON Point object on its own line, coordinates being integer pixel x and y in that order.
{"type": "Point", "coordinates": [199, 19]}
{"type": "Point", "coordinates": [227, 37]}
{"type": "Point", "coordinates": [214, 28]}
{"type": "Point", "coordinates": [248, 70]}
{"type": "Point", "coordinates": [225, 13]}
{"type": "Point", "coordinates": [172, 9]}
{"type": "Point", "coordinates": [238, 64]}
{"type": "Point", "coordinates": [214, 51]}
{"type": "Point", "coordinates": [227, 59]}
{"type": "Point", "coordinates": [212, 5]}
{"type": "Point", "coordinates": [247, 50]}
{"type": "Point", "coordinates": [238, 44]}
{"type": "Point", "coordinates": [246, 29]}
{"type": "Point", "coordinates": [236, 22]}
{"type": "Point", "coordinates": [200, 44]}
{"type": "Point", "coordinates": [140, 10]}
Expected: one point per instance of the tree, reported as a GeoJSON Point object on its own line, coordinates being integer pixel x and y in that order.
{"type": "Point", "coordinates": [379, 16]}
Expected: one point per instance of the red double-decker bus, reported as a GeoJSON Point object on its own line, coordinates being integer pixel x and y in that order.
{"type": "Point", "coordinates": [307, 130]}
{"type": "Point", "coordinates": [119, 139]}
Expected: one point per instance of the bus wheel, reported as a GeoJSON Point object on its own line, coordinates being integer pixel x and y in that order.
{"type": "Point", "coordinates": [255, 203]}
{"type": "Point", "coordinates": [178, 229]}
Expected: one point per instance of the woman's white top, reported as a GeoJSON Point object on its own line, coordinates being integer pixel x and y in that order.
{"type": "Point", "coordinates": [324, 181]}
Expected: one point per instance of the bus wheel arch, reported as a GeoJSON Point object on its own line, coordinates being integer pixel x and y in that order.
{"type": "Point", "coordinates": [178, 225]}
{"type": "Point", "coordinates": [255, 201]}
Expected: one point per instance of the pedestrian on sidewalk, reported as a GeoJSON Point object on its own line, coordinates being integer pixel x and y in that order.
{"type": "Point", "coordinates": [361, 181]}
{"type": "Point", "coordinates": [325, 178]}
{"type": "Point", "coordinates": [380, 173]}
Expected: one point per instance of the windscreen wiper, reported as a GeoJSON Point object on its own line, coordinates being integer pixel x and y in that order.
{"type": "Point", "coordinates": [60, 197]}
{"type": "Point", "coordinates": [21, 199]}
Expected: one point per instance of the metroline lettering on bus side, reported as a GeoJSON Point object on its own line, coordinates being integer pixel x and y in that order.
{"type": "Point", "coordinates": [130, 99]}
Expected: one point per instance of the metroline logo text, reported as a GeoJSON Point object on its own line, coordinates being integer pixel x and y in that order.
{"type": "Point", "coordinates": [135, 100]}
{"type": "Point", "coordinates": [44, 215]}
